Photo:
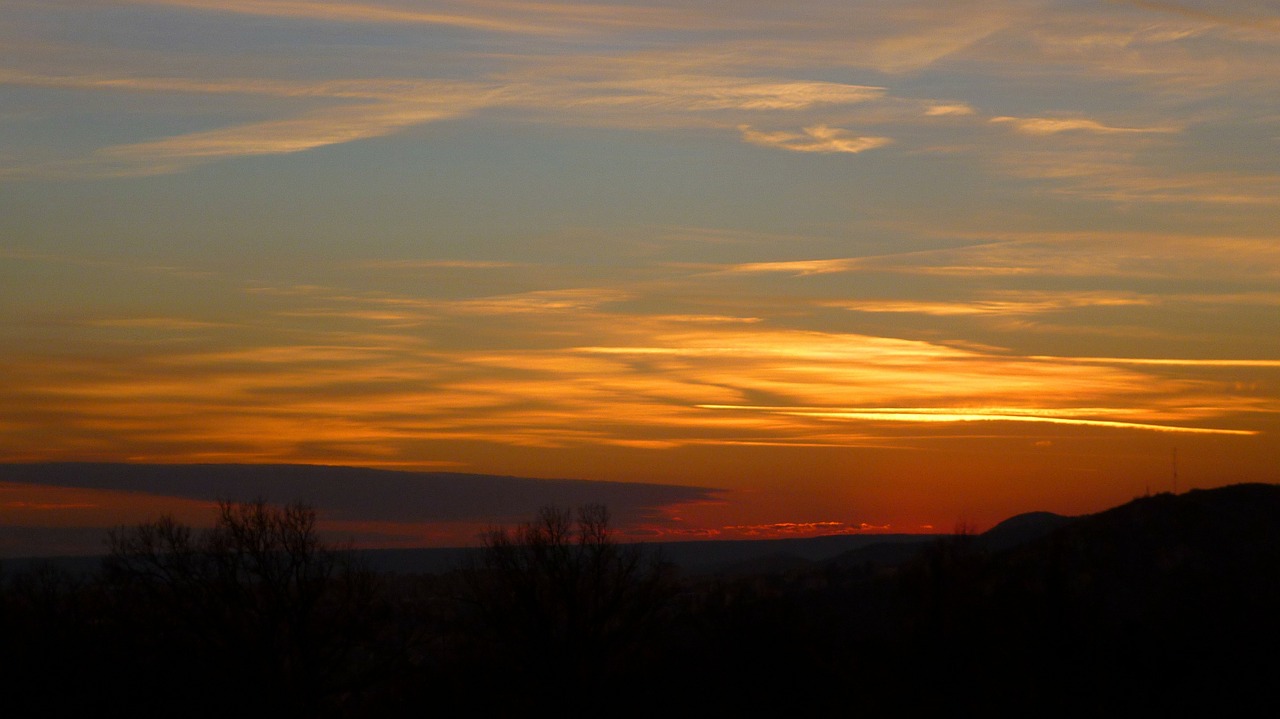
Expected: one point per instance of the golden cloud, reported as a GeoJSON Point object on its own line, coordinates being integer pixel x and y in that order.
{"type": "Point", "coordinates": [818, 138]}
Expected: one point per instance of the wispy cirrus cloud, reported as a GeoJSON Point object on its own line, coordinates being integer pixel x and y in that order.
{"type": "Point", "coordinates": [1008, 303]}
{"type": "Point", "coordinates": [998, 254]}
{"type": "Point", "coordinates": [700, 92]}
{"type": "Point", "coordinates": [792, 529]}
{"type": "Point", "coordinates": [569, 300]}
{"type": "Point", "coordinates": [707, 82]}
{"type": "Point", "coordinates": [317, 129]}
{"type": "Point", "coordinates": [1173, 361]}
{"type": "Point", "coordinates": [924, 415]}
{"type": "Point", "coordinates": [410, 264]}
{"type": "Point", "coordinates": [1053, 126]}
{"type": "Point", "coordinates": [1120, 180]}
{"type": "Point", "coordinates": [1087, 254]}
{"type": "Point", "coordinates": [349, 89]}
{"type": "Point", "coordinates": [952, 109]}
{"type": "Point", "coordinates": [158, 323]}
{"type": "Point", "coordinates": [819, 138]}
{"type": "Point", "coordinates": [399, 380]}
{"type": "Point", "coordinates": [1237, 14]}
{"type": "Point", "coordinates": [352, 110]}
{"type": "Point", "coordinates": [360, 109]}
{"type": "Point", "coordinates": [538, 18]}
{"type": "Point", "coordinates": [796, 267]}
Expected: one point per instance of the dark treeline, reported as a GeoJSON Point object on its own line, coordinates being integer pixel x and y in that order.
{"type": "Point", "coordinates": [1164, 604]}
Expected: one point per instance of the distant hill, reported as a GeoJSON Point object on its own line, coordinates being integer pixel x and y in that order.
{"type": "Point", "coordinates": [892, 550]}
{"type": "Point", "coordinates": [1021, 529]}
{"type": "Point", "coordinates": [1162, 604]}
{"type": "Point", "coordinates": [1166, 555]}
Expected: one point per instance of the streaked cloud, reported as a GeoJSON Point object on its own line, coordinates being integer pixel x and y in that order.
{"type": "Point", "coordinates": [818, 138]}
{"type": "Point", "coordinates": [797, 267]}
{"type": "Point", "coordinates": [701, 93]}
{"type": "Point", "coordinates": [791, 529]}
{"type": "Point", "coordinates": [353, 494]}
{"type": "Point", "coordinates": [605, 379]}
{"type": "Point", "coordinates": [437, 264]}
{"type": "Point", "coordinates": [1246, 15]}
{"type": "Point", "coordinates": [1124, 182]}
{"type": "Point", "coordinates": [958, 414]}
{"type": "Point", "coordinates": [1052, 126]}
{"type": "Point", "coordinates": [329, 127]}
{"type": "Point", "coordinates": [1013, 303]}
{"type": "Point", "coordinates": [948, 109]}
{"type": "Point", "coordinates": [394, 104]}
{"type": "Point", "coordinates": [157, 323]}
{"type": "Point", "coordinates": [1087, 254]}
{"type": "Point", "coordinates": [1173, 361]}
{"type": "Point", "coordinates": [542, 301]}
{"type": "Point", "coordinates": [539, 18]}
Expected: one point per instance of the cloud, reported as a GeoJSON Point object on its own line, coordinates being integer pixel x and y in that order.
{"type": "Point", "coordinates": [357, 89]}
{"type": "Point", "coordinates": [1166, 58]}
{"type": "Point", "coordinates": [925, 415]}
{"type": "Point", "coordinates": [570, 300]}
{"type": "Point", "coordinates": [158, 323]}
{"type": "Point", "coordinates": [819, 138]}
{"type": "Point", "coordinates": [438, 264]}
{"type": "Point", "coordinates": [540, 18]}
{"type": "Point", "coordinates": [1123, 175]}
{"type": "Point", "coordinates": [317, 129]}
{"type": "Point", "coordinates": [309, 381]}
{"type": "Point", "coordinates": [792, 529]}
{"type": "Point", "coordinates": [1244, 15]}
{"type": "Point", "coordinates": [796, 267]}
{"type": "Point", "coordinates": [1099, 254]}
{"type": "Point", "coordinates": [1170, 361]}
{"type": "Point", "coordinates": [919, 35]}
{"type": "Point", "coordinates": [948, 109]}
{"type": "Point", "coordinates": [1052, 126]}
{"type": "Point", "coordinates": [696, 92]}
{"type": "Point", "coordinates": [1010, 303]}
{"type": "Point", "coordinates": [355, 494]}
{"type": "Point", "coordinates": [359, 109]}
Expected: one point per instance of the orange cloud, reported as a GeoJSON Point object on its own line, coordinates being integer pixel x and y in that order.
{"type": "Point", "coordinates": [1014, 303]}
{"type": "Point", "coordinates": [1053, 126]}
{"type": "Point", "coordinates": [1018, 415]}
{"type": "Point", "coordinates": [500, 17]}
{"type": "Point", "coordinates": [791, 529]}
{"type": "Point", "coordinates": [818, 138]}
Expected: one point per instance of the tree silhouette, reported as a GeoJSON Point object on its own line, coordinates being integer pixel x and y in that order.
{"type": "Point", "coordinates": [562, 602]}
{"type": "Point", "coordinates": [258, 600]}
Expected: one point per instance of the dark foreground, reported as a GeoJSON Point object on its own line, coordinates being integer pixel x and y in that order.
{"type": "Point", "coordinates": [1168, 603]}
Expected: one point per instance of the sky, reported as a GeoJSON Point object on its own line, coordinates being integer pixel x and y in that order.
{"type": "Point", "coordinates": [816, 266]}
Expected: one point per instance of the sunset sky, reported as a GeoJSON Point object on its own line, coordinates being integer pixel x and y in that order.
{"type": "Point", "coordinates": [817, 266]}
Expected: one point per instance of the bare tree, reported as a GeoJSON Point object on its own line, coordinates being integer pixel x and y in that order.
{"type": "Point", "coordinates": [565, 601]}
{"type": "Point", "coordinates": [260, 598]}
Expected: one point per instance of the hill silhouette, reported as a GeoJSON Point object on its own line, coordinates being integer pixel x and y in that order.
{"type": "Point", "coordinates": [1166, 602]}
